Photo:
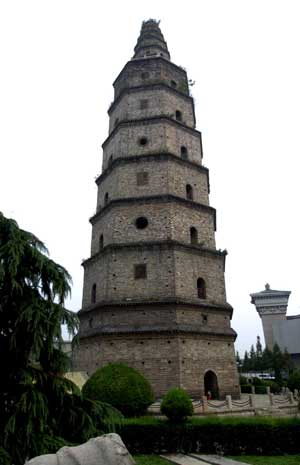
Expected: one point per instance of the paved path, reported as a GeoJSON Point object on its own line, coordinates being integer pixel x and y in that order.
{"type": "Point", "coordinates": [199, 459]}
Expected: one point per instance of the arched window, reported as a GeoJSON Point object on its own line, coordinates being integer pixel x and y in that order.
{"type": "Point", "coordinates": [201, 288]}
{"type": "Point", "coordinates": [101, 242]}
{"type": "Point", "coordinates": [178, 115]}
{"type": "Point", "coordinates": [184, 152]}
{"type": "Point", "coordinates": [194, 235]}
{"type": "Point", "coordinates": [189, 192]}
{"type": "Point", "coordinates": [93, 294]}
{"type": "Point", "coordinates": [106, 199]}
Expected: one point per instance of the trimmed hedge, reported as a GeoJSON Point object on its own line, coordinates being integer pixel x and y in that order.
{"type": "Point", "coordinates": [231, 436]}
{"type": "Point", "coordinates": [121, 386]}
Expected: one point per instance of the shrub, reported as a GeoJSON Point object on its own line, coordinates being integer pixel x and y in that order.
{"type": "Point", "coordinates": [234, 436]}
{"type": "Point", "coordinates": [246, 388]}
{"type": "Point", "coordinates": [275, 388]}
{"type": "Point", "coordinates": [243, 380]}
{"type": "Point", "coordinates": [261, 389]}
{"type": "Point", "coordinates": [294, 380]}
{"type": "Point", "coordinates": [176, 405]}
{"type": "Point", "coordinates": [121, 386]}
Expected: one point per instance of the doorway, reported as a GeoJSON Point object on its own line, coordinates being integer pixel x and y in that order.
{"type": "Point", "coordinates": [211, 384]}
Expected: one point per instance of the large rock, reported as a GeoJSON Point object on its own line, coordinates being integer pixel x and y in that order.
{"type": "Point", "coordinates": [108, 449]}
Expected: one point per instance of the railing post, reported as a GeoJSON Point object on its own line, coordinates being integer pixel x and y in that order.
{"type": "Point", "coordinates": [291, 397]}
{"type": "Point", "coordinates": [268, 390]}
{"type": "Point", "coordinates": [252, 389]}
{"type": "Point", "coordinates": [229, 402]}
{"type": "Point", "coordinates": [296, 393]}
{"type": "Point", "coordinates": [252, 400]}
{"type": "Point", "coordinates": [271, 399]}
{"type": "Point", "coordinates": [204, 404]}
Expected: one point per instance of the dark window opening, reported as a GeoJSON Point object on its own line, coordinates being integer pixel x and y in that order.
{"type": "Point", "coordinates": [144, 104]}
{"type": "Point", "coordinates": [141, 222]}
{"type": "Point", "coordinates": [93, 294]}
{"type": "Point", "coordinates": [101, 242]}
{"type": "Point", "coordinates": [178, 115]}
{"type": "Point", "coordinates": [142, 178]}
{"type": "Point", "coordinates": [140, 271]}
{"type": "Point", "coordinates": [194, 235]}
{"type": "Point", "coordinates": [143, 141]}
{"type": "Point", "coordinates": [184, 152]}
{"type": "Point", "coordinates": [106, 198]}
{"type": "Point", "coordinates": [204, 319]}
{"type": "Point", "coordinates": [173, 84]}
{"type": "Point", "coordinates": [189, 192]}
{"type": "Point", "coordinates": [145, 75]}
{"type": "Point", "coordinates": [201, 288]}
{"type": "Point", "coordinates": [91, 322]}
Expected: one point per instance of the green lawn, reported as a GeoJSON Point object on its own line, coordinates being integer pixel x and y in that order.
{"type": "Point", "coordinates": [263, 460]}
{"type": "Point", "coordinates": [150, 460]}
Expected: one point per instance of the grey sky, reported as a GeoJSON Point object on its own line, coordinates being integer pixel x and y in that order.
{"type": "Point", "coordinates": [58, 61]}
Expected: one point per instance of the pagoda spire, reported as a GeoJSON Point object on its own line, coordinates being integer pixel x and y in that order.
{"type": "Point", "coordinates": [151, 41]}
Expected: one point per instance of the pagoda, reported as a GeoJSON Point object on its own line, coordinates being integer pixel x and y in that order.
{"type": "Point", "coordinates": [154, 290]}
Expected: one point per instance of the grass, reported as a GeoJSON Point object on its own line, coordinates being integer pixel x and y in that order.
{"type": "Point", "coordinates": [150, 460]}
{"type": "Point", "coordinates": [264, 460]}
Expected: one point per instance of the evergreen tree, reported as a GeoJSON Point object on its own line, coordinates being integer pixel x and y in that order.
{"type": "Point", "coordinates": [40, 409]}
{"type": "Point", "coordinates": [238, 361]}
{"type": "Point", "coordinates": [252, 358]}
{"type": "Point", "coordinates": [246, 363]}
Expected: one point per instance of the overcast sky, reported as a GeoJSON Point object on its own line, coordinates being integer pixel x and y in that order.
{"type": "Point", "coordinates": [58, 60]}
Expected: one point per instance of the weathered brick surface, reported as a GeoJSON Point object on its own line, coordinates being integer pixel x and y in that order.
{"type": "Point", "coordinates": [148, 72]}
{"type": "Point", "coordinates": [164, 177]}
{"type": "Point", "coordinates": [165, 221]}
{"type": "Point", "coordinates": [170, 273]}
{"type": "Point", "coordinates": [168, 360]}
{"type": "Point", "coordinates": [161, 324]}
{"type": "Point", "coordinates": [163, 135]}
{"type": "Point", "coordinates": [160, 102]}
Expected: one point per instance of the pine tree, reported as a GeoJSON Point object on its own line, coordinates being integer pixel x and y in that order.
{"type": "Point", "coordinates": [252, 358]}
{"type": "Point", "coordinates": [246, 363]}
{"type": "Point", "coordinates": [40, 409]}
{"type": "Point", "coordinates": [238, 361]}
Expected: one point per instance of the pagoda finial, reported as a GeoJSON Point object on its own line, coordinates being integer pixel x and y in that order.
{"type": "Point", "coordinates": [151, 42]}
{"type": "Point", "coordinates": [267, 287]}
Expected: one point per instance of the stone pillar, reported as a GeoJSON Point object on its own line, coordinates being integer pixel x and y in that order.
{"type": "Point", "coordinates": [252, 389]}
{"type": "Point", "coordinates": [252, 400]}
{"type": "Point", "coordinates": [204, 404]}
{"type": "Point", "coordinates": [271, 399]}
{"type": "Point", "coordinates": [268, 390]}
{"type": "Point", "coordinates": [291, 397]}
{"type": "Point", "coordinates": [229, 402]}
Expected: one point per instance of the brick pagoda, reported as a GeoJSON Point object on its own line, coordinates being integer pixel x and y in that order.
{"type": "Point", "coordinates": [154, 291]}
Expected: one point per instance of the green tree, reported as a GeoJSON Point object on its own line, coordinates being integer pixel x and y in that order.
{"type": "Point", "coordinates": [40, 409]}
{"type": "Point", "coordinates": [239, 362]}
{"type": "Point", "coordinates": [252, 358]}
{"type": "Point", "coordinates": [246, 363]}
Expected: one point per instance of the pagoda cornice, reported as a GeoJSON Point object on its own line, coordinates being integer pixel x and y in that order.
{"type": "Point", "coordinates": [150, 86]}
{"type": "Point", "coordinates": [167, 244]}
{"type": "Point", "coordinates": [140, 303]}
{"type": "Point", "coordinates": [174, 329]}
{"type": "Point", "coordinates": [143, 61]}
{"type": "Point", "coordinates": [161, 156]}
{"type": "Point", "coordinates": [151, 120]}
{"type": "Point", "coordinates": [162, 198]}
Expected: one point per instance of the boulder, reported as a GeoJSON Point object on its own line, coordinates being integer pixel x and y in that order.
{"type": "Point", "coordinates": [108, 449]}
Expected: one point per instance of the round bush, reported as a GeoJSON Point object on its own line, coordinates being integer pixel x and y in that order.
{"type": "Point", "coordinates": [121, 386]}
{"type": "Point", "coordinates": [176, 405]}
